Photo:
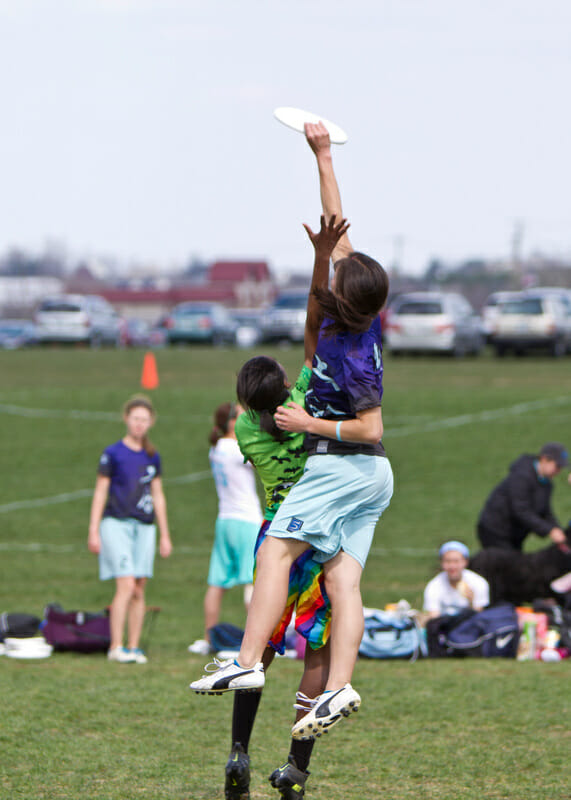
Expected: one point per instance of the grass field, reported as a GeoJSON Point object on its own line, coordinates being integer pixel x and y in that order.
{"type": "Point", "coordinates": [79, 727]}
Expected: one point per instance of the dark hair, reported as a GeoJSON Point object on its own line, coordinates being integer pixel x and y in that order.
{"type": "Point", "coordinates": [261, 386]}
{"type": "Point", "coordinates": [361, 289]}
{"type": "Point", "coordinates": [222, 416]}
{"type": "Point", "coordinates": [142, 401]}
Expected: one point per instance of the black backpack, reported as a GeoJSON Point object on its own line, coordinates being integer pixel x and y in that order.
{"type": "Point", "coordinates": [491, 633]}
{"type": "Point", "coordinates": [18, 626]}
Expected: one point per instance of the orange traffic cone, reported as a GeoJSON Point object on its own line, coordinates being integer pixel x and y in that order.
{"type": "Point", "coordinates": [149, 376]}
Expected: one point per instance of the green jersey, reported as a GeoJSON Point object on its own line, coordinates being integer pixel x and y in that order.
{"type": "Point", "coordinates": [279, 464]}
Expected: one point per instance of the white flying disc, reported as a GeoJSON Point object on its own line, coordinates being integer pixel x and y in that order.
{"type": "Point", "coordinates": [296, 118]}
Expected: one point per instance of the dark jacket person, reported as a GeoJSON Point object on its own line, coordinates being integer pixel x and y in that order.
{"type": "Point", "coordinates": [521, 503]}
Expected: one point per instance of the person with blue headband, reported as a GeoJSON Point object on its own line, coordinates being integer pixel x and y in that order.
{"type": "Point", "coordinates": [456, 588]}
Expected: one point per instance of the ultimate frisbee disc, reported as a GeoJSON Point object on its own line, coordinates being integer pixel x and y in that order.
{"type": "Point", "coordinates": [296, 118]}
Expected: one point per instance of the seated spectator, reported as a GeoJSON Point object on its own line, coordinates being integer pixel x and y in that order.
{"type": "Point", "coordinates": [456, 588]}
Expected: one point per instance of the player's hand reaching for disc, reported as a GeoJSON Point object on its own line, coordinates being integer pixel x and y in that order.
{"type": "Point", "coordinates": [317, 136]}
{"type": "Point", "coordinates": [328, 236]}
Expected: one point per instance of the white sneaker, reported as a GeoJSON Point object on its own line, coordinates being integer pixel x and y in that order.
{"type": "Point", "coordinates": [329, 709]}
{"type": "Point", "coordinates": [138, 656]}
{"type": "Point", "coordinates": [225, 676]}
{"type": "Point", "coordinates": [200, 647]}
{"type": "Point", "coordinates": [121, 654]}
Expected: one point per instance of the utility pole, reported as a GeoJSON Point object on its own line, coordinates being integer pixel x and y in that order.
{"type": "Point", "coordinates": [516, 256]}
{"type": "Point", "coordinates": [398, 254]}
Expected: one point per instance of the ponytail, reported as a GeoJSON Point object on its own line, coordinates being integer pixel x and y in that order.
{"type": "Point", "coordinates": [223, 415]}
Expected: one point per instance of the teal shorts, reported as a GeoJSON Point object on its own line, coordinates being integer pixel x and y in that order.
{"type": "Point", "coordinates": [336, 504]}
{"type": "Point", "coordinates": [232, 559]}
{"type": "Point", "coordinates": [127, 548]}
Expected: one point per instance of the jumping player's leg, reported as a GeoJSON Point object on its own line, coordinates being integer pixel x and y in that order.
{"type": "Point", "coordinates": [269, 598]}
{"type": "Point", "coordinates": [342, 581]}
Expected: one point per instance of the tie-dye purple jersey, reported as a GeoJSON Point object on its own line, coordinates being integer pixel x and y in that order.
{"type": "Point", "coordinates": [347, 377]}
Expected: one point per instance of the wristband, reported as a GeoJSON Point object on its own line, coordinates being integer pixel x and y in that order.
{"type": "Point", "coordinates": [338, 431]}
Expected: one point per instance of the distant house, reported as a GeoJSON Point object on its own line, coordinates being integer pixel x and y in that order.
{"type": "Point", "coordinates": [236, 284]}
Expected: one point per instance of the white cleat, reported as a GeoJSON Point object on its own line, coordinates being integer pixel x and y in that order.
{"type": "Point", "coordinates": [227, 676]}
{"type": "Point", "coordinates": [329, 709]}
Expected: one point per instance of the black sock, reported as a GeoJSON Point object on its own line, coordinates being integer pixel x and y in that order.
{"type": "Point", "coordinates": [245, 709]}
{"type": "Point", "coordinates": [301, 750]}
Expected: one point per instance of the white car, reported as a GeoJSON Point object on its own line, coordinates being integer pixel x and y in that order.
{"type": "Point", "coordinates": [77, 319]}
{"type": "Point", "coordinates": [533, 319]}
{"type": "Point", "coordinates": [285, 319]}
{"type": "Point", "coordinates": [490, 310]}
{"type": "Point", "coordinates": [437, 322]}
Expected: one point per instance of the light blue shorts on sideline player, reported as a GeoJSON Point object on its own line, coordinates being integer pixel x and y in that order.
{"type": "Point", "coordinates": [232, 559]}
{"type": "Point", "coordinates": [127, 548]}
{"type": "Point", "coordinates": [336, 504]}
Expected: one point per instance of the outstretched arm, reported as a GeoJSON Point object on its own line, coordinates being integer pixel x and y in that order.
{"type": "Point", "coordinates": [318, 139]}
{"type": "Point", "coordinates": [324, 243]}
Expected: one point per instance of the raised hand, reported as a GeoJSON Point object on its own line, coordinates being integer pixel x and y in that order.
{"type": "Point", "coordinates": [328, 236]}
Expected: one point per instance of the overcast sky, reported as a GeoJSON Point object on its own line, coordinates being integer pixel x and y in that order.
{"type": "Point", "coordinates": [144, 129]}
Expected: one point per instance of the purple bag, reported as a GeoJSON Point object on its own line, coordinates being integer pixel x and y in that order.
{"type": "Point", "coordinates": [78, 631]}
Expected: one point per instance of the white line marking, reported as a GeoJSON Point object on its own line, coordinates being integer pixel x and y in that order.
{"type": "Point", "coordinates": [481, 416]}
{"type": "Point", "coordinates": [81, 493]}
{"type": "Point", "coordinates": [74, 413]}
{"type": "Point", "coordinates": [98, 416]}
{"type": "Point", "coordinates": [426, 427]}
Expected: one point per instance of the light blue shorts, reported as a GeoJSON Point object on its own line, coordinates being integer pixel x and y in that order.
{"type": "Point", "coordinates": [232, 559]}
{"type": "Point", "coordinates": [336, 504]}
{"type": "Point", "coordinates": [127, 548]}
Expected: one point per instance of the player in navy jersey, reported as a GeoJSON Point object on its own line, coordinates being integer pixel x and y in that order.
{"type": "Point", "coordinates": [347, 482]}
{"type": "Point", "coordinates": [127, 500]}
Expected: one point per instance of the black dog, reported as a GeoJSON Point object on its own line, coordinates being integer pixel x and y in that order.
{"type": "Point", "coordinates": [520, 578]}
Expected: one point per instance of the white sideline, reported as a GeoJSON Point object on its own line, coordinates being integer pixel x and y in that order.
{"type": "Point", "coordinates": [80, 493]}
{"type": "Point", "coordinates": [75, 413]}
{"type": "Point", "coordinates": [426, 427]}
{"type": "Point", "coordinates": [481, 416]}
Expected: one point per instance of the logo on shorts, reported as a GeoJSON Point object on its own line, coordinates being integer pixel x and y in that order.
{"type": "Point", "coordinates": [294, 525]}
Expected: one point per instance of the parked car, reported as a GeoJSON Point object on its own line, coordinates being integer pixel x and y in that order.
{"type": "Point", "coordinates": [248, 330]}
{"type": "Point", "coordinates": [77, 318]}
{"type": "Point", "coordinates": [534, 319]}
{"type": "Point", "coordinates": [195, 323]}
{"type": "Point", "coordinates": [490, 310]}
{"type": "Point", "coordinates": [440, 322]}
{"type": "Point", "coordinates": [15, 333]}
{"type": "Point", "coordinates": [285, 319]}
{"type": "Point", "coordinates": [136, 332]}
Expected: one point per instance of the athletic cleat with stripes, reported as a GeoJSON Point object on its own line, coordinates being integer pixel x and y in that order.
{"type": "Point", "coordinates": [226, 676]}
{"type": "Point", "coordinates": [289, 780]}
{"type": "Point", "coordinates": [329, 709]}
{"type": "Point", "coordinates": [237, 784]}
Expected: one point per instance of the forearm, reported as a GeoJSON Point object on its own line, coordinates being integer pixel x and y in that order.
{"type": "Point", "coordinates": [331, 199]}
{"type": "Point", "coordinates": [97, 507]}
{"type": "Point", "coordinates": [319, 279]}
{"type": "Point", "coordinates": [161, 515]}
{"type": "Point", "coordinates": [367, 429]}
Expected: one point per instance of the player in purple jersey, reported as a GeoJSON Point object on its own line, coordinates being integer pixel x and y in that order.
{"type": "Point", "coordinates": [347, 482]}
{"type": "Point", "coordinates": [128, 497]}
